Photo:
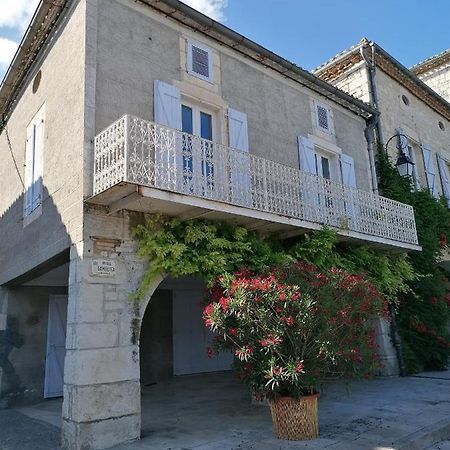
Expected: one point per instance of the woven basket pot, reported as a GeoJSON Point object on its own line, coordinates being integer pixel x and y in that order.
{"type": "Point", "coordinates": [295, 419]}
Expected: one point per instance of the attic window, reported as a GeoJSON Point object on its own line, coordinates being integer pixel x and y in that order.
{"type": "Point", "coordinates": [441, 125]}
{"type": "Point", "coordinates": [200, 61]}
{"type": "Point", "coordinates": [323, 117]}
{"type": "Point", "coordinates": [405, 100]}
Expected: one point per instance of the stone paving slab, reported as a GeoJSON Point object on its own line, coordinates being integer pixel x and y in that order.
{"type": "Point", "coordinates": [214, 412]}
{"type": "Point", "coordinates": [19, 432]}
{"type": "Point", "coordinates": [443, 445]}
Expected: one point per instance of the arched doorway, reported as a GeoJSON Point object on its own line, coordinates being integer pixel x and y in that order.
{"type": "Point", "coordinates": [188, 399]}
{"type": "Point", "coordinates": [173, 339]}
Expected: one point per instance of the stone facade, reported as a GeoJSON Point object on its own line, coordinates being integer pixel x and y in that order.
{"type": "Point", "coordinates": [399, 106]}
{"type": "Point", "coordinates": [101, 63]}
{"type": "Point", "coordinates": [435, 72]}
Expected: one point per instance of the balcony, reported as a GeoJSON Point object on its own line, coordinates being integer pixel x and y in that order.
{"type": "Point", "coordinates": [144, 166]}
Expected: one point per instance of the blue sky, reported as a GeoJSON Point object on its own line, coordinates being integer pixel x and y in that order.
{"type": "Point", "coordinates": [305, 32]}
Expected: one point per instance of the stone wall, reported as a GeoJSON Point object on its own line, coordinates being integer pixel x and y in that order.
{"type": "Point", "coordinates": [102, 377]}
{"type": "Point", "coordinates": [278, 109]}
{"type": "Point", "coordinates": [26, 245]}
{"type": "Point", "coordinates": [439, 80]}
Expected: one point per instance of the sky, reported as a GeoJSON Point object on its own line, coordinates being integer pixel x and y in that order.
{"type": "Point", "coordinates": [306, 32]}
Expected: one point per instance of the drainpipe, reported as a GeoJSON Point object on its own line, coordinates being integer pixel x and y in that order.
{"type": "Point", "coordinates": [368, 133]}
{"type": "Point", "coordinates": [373, 95]}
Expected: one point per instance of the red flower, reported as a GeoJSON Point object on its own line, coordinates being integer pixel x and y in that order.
{"type": "Point", "coordinates": [277, 371]}
{"type": "Point", "coordinates": [299, 367]}
{"type": "Point", "coordinates": [232, 331]}
{"type": "Point", "coordinates": [282, 297]}
{"type": "Point", "coordinates": [224, 301]}
{"type": "Point", "coordinates": [290, 321]}
{"type": "Point", "coordinates": [434, 301]}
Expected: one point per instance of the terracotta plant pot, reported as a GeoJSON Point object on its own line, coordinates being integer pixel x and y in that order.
{"type": "Point", "coordinates": [295, 420]}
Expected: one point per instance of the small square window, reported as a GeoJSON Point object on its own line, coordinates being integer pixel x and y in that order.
{"type": "Point", "coordinates": [199, 61]}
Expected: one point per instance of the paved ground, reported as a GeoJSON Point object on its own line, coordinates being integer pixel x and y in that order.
{"type": "Point", "coordinates": [444, 445]}
{"type": "Point", "coordinates": [214, 412]}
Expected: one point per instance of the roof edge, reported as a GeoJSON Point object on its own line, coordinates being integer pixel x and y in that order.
{"type": "Point", "coordinates": [49, 11]}
{"type": "Point", "coordinates": [44, 19]}
{"type": "Point", "coordinates": [428, 91]}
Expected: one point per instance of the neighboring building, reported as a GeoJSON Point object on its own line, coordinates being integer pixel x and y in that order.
{"type": "Point", "coordinates": [408, 108]}
{"type": "Point", "coordinates": [112, 109]}
{"type": "Point", "coordinates": [435, 72]}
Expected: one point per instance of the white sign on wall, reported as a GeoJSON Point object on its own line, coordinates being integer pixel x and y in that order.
{"type": "Point", "coordinates": [103, 268]}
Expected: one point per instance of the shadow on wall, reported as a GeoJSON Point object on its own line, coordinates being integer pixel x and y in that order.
{"type": "Point", "coordinates": [34, 256]}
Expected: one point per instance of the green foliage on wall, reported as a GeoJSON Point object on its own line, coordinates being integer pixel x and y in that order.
{"type": "Point", "coordinates": [201, 248]}
{"type": "Point", "coordinates": [423, 313]}
{"type": "Point", "coordinates": [209, 249]}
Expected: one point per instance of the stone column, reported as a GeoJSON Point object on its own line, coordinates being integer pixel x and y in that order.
{"type": "Point", "coordinates": [102, 404]}
{"type": "Point", "coordinates": [387, 351]}
{"type": "Point", "coordinates": [3, 319]}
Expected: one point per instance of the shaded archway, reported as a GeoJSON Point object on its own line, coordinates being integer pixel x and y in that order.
{"type": "Point", "coordinates": [173, 339]}
{"type": "Point", "coordinates": [187, 398]}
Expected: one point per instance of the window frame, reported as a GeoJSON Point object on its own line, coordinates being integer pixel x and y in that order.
{"type": "Point", "coordinates": [206, 49]}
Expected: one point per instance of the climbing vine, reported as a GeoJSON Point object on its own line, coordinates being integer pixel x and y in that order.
{"type": "Point", "coordinates": [423, 312]}
{"type": "Point", "coordinates": [211, 249]}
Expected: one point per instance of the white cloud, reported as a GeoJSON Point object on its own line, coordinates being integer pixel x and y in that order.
{"type": "Point", "coordinates": [7, 50]}
{"type": "Point", "coordinates": [212, 8]}
{"type": "Point", "coordinates": [17, 13]}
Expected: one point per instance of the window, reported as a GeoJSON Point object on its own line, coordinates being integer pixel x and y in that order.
{"type": "Point", "coordinates": [198, 155]}
{"type": "Point", "coordinates": [405, 100]}
{"type": "Point", "coordinates": [33, 163]}
{"type": "Point", "coordinates": [323, 118]}
{"type": "Point", "coordinates": [324, 169]}
{"type": "Point", "coordinates": [199, 60]}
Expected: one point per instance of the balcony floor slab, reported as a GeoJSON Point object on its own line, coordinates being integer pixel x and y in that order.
{"type": "Point", "coordinates": [152, 200]}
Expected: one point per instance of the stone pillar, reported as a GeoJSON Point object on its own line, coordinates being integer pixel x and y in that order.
{"type": "Point", "coordinates": [387, 351]}
{"type": "Point", "coordinates": [102, 404]}
{"type": "Point", "coordinates": [3, 320]}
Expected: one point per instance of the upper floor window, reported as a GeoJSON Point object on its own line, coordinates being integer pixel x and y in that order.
{"type": "Point", "coordinates": [33, 163]}
{"type": "Point", "coordinates": [324, 119]}
{"type": "Point", "coordinates": [199, 60]}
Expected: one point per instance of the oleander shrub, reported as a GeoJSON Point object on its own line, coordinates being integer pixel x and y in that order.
{"type": "Point", "coordinates": [293, 326]}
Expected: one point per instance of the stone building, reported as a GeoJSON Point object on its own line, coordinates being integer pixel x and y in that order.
{"type": "Point", "coordinates": [435, 72]}
{"type": "Point", "coordinates": [409, 109]}
{"type": "Point", "coordinates": [115, 108]}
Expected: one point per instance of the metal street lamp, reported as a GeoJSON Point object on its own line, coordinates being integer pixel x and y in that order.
{"type": "Point", "coordinates": [404, 164]}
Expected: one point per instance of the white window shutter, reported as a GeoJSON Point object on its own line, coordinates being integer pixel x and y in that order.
{"type": "Point", "coordinates": [240, 163]}
{"type": "Point", "coordinates": [307, 155]}
{"type": "Point", "coordinates": [430, 171]}
{"type": "Point", "coordinates": [445, 177]}
{"type": "Point", "coordinates": [29, 169]}
{"type": "Point", "coordinates": [348, 171]}
{"type": "Point", "coordinates": [238, 130]}
{"type": "Point", "coordinates": [167, 104]}
{"type": "Point", "coordinates": [38, 158]}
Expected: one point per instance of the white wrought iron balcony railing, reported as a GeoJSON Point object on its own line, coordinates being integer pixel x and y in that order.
{"type": "Point", "coordinates": [141, 152]}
